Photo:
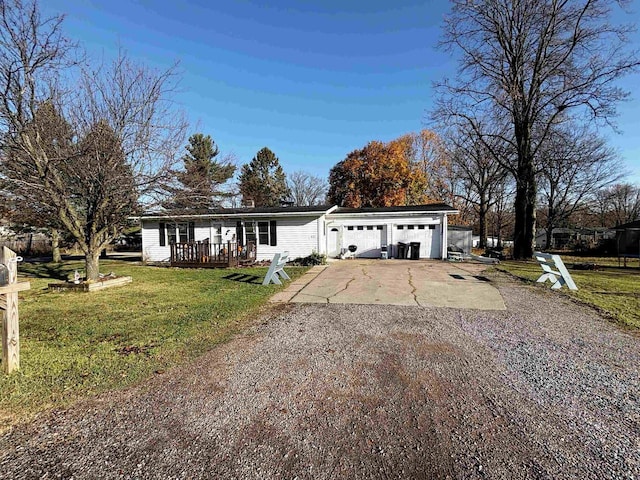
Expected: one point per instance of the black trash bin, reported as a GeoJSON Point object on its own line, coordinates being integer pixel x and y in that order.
{"type": "Point", "coordinates": [415, 250]}
{"type": "Point", "coordinates": [402, 250]}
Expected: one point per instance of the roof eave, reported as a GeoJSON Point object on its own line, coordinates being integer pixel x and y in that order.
{"type": "Point", "coordinates": [204, 216]}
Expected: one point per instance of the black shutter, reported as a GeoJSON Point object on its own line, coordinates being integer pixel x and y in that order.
{"type": "Point", "coordinates": [239, 232]}
{"type": "Point", "coordinates": [192, 232]}
{"type": "Point", "coordinates": [272, 233]}
{"type": "Point", "coordinates": [163, 236]}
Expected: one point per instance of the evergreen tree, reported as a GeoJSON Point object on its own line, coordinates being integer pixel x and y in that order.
{"type": "Point", "coordinates": [200, 185]}
{"type": "Point", "coordinates": [263, 180]}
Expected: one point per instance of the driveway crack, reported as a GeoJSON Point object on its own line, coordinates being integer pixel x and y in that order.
{"type": "Point", "coordinates": [413, 287]}
{"type": "Point", "coordinates": [340, 291]}
{"type": "Point", "coordinates": [366, 274]}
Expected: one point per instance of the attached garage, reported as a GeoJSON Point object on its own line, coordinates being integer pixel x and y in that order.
{"type": "Point", "coordinates": [427, 235]}
{"type": "Point", "coordinates": [368, 238]}
{"type": "Point", "coordinates": [371, 229]}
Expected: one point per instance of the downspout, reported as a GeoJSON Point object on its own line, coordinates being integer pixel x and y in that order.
{"type": "Point", "coordinates": [443, 245]}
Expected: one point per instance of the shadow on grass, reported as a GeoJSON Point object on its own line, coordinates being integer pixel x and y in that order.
{"type": "Point", "coordinates": [58, 271]}
{"type": "Point", "coordinates": [244, 278]}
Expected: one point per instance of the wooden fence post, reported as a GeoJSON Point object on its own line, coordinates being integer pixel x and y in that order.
{"type": "Point", "coordinates": [9, 307]}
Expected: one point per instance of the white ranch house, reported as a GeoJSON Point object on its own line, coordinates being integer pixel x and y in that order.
{"type": "Point", "coordinates": [233, 235]}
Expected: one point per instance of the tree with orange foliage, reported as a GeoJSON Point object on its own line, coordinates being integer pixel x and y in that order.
{"type": "Point", "coordinates": [425, 152]}
{"type": "Point", "coordinates": [378, 175]}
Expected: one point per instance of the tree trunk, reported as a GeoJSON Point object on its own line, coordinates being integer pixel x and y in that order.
{"type": "Point", "coordinates": [482, 220]}
{"type": "Point", "coordinates": [55, 245]}
{"type": "Point", "coordinates": [520, 208]}
{"type": "Point", "coordinates": [549, 235]}
{"type": "Point", "coordinates": [525, 221]}
{"type": "Point", "coordinates": [530, 230]}
{"type": "Point", "coordinates": [525, 202]}
{"type": "Point", "coordinates": [92, 264]}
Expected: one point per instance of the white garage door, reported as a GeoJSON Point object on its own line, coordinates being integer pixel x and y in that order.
{"type": "Point", "coordinates": [427, 235]}
{"type": "Point", "coordinates": [368, 238]}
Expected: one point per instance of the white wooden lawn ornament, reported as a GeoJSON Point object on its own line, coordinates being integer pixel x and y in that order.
{"type": "Point", "coordinates": [9, 288]}
{"type": "Point", "coordinates": [276, 270]}
{"type": "Point", "coordinates": [558, 277]}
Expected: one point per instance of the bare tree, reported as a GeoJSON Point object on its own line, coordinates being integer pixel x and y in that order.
{"type": "Point", "coordinates": [307, 189]}
{"type": "Point", "coordinates": [531, 64]}
{"type": "Point", "coordinates": [124, 126]}
{"type": "Point", "coordinates": [26, 206]}
{"type": "Point", "coordinates": [481, 176]}
{"type": "Point", "coordinates": [574, 165]}
{"type": "Point", "coordinates": [618, 204]}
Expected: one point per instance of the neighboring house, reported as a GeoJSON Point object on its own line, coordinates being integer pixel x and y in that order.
{"type": "Point", "coordinates": [573, 237]}
{"type": "Point", "coordinates": [229, 236]}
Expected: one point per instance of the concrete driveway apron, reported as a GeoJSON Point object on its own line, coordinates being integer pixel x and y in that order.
{"type": "Point", "coordinates": [396, 282]}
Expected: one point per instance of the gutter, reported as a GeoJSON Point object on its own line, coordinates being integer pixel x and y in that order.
{"type": "Point", "coordinates": [234, 215]}
{"type": "Point", "coordinates": [396, 214]}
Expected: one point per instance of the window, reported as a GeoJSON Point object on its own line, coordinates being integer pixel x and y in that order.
{"type": "Point", "coordinates": [400, 227]}
{"type": "Point", "coordinates": [349, 228]}
{"type": "Point", "coordinates": [370, 227]}
{"type": "Point", "coordinates": [263, 233]}
{"type": "Point", "coordinates": [216, 233]}
{"type": "Point", "coordinates": [171, 233]}
{"type": "Point", "coordinates": [267, 233]}
{"type": "Point", "coordinates": [359, 227]}
{"type": "Point", "coordinates": [420, 227]}
{"type": "Point", "coordinates": [379, 227]}
{"type": "Point", "coordinates": [410, 227]}
{"type": "Point", "coordinates": [432, 227]}
{"type": "Point", "coordinates": [183, 232]}
{"type": "Point", "coordinates": [177, 232]}
{"type": "Point", "coordinates": [250, 232]}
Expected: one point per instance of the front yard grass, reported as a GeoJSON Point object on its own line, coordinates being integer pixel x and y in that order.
{"type": "Point", "coordinates": [74, 344]}
{"type": "Point", "coordinates": [611, 289]}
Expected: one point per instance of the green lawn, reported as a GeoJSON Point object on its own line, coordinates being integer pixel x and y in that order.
{"type": "Point", "coordinates": [614, 290]}
{"type": "Point", "coordinates": [78, 344]}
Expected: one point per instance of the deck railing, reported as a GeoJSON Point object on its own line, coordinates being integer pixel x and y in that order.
{"type": "Point", "coordinates": [213, 255]}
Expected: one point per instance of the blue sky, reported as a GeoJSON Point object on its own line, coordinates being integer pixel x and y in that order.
{"type": "Point", "coordinates": [311, 80]}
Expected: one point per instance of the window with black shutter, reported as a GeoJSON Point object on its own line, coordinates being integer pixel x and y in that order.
{"type": "Point", "coordinates": [263, 233]}
{"type": "Point", "coordinates": [192, 231]}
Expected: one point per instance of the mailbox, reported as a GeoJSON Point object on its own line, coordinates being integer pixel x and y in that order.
{"type": "Point", "coordinates": [4, 275]}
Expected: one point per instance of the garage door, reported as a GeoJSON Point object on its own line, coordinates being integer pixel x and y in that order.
{"type": "Point", "coordinates": [427, 235]}
{"type": "Point", "coordinates": [368, 238]}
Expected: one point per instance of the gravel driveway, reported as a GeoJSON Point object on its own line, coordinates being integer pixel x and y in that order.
{"type": "Point", "coordinates": [545, 389]}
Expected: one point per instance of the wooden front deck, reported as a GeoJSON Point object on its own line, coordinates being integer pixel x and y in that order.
{"type": "Point", "coordinates": [212, 255]}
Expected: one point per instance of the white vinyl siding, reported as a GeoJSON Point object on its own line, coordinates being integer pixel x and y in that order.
{"type": "Point", "coordinates": [151, 249]}
{"type": "Point", "coordinates": [298, 236]}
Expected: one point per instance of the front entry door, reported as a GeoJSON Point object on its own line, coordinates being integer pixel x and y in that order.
{"type": "Point", "coordinates": [333, 242]}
